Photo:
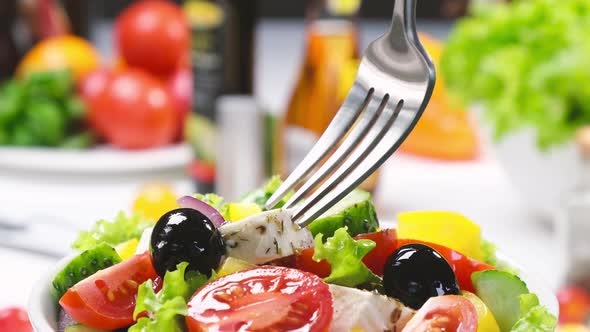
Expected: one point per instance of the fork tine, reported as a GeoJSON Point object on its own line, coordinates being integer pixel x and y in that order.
{"type": "Point", "coordinates": [366, 121]}
{"type": "Point", "coordinates": [339, 126]}
{"type": "Point", "coordinates": [350, 175]}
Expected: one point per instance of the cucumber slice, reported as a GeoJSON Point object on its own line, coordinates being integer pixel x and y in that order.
{"type": "Point", "coordinates": [355, 211]}
{"type": "Point", "coordinates": [83, 266]}
{"type": "Point", "coordinates": [81, 328]}
{"type": "Point", "coordinates": [501, 292]}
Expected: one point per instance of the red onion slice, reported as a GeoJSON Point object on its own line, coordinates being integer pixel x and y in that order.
{"type": "Point", "coordinates": [206, 209]}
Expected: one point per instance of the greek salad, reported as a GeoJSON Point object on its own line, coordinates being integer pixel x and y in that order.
{"type": "Point", "coordinates": [212, 265]}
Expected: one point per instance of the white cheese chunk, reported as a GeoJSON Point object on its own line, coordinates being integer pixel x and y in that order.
{"type": "Point", "coordinates": [359, 310]}
{"type": "Point", "coordinates": [265, 236]}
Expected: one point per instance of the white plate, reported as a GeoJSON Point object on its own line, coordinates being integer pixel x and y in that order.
{"type": "Point", "coordinates": [100, 159]}
{"type": "Point", "coordinates": [43, 310]}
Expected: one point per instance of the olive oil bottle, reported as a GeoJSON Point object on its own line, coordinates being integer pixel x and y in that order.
{"type": "Point", "coordinates": [222, 59]}
{"type": "Point", "coordinates": [328, 71]}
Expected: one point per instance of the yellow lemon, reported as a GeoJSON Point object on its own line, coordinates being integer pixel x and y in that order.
{"type": "Point", "coordinates": [62, 52]}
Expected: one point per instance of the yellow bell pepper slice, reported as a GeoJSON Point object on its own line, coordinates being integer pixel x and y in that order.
{"type": "Point", "coordinates": [449, 229]}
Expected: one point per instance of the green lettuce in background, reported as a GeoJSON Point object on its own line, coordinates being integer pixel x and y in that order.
{"type": "Point", "coordinates": [528, 63]}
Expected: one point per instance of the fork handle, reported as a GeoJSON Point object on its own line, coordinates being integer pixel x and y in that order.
{"type": "Point", "coordinates": [403, 22]}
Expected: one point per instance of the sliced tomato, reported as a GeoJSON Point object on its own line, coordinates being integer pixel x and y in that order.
{"type": "Point", "coordinates": [444, 313]}
{"type": "Point", "coordinates": [268, 298]}
{"type": "Point", "coordinates": [462, 265]}
{"type": "Point", "coordinates": [385, 241]}
{"type": "Point", "coordinates": [106, 300]}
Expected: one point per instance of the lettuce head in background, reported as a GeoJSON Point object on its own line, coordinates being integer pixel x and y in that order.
{"type": "Point", "coordinates": [528, 63]}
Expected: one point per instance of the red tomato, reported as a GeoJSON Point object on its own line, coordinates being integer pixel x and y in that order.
{"type": "Point", "coordinates": [91, 87]}
{"type": "Point", "coordinates": [268, 298]}
{"type": "Point", "coordinates": [15, 320]}
{"type": "Point", "coordinates": [444, 313]}
{"type": "Point", "coordinates": [463, 266]}
{"type": "Point", "coordinates": [106, 299]}
{"type": "Point", "coordinates": [180, 89]}
{"type": "Point", "coordinates": [153, 35]}
{"type": "Point", "coordinates": [385, 245]}
{"type": "Point", "coordinates": [134, 112]}
{"type": "Point", "coordinates": [574, 305]}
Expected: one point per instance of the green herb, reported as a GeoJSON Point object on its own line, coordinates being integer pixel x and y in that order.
{"type": "Point", "coordinates": [527, 62]}
{"type": "Point", "coordinates": [345, 256]}
{"type": "Point", "coordinates": [42, 110]}
{"type": "Point", "coordinates": [122, 228]}
{"type": "Point", "coordinates": [261, 195]}
{"type": "Point", "coordinates": [165, 307]}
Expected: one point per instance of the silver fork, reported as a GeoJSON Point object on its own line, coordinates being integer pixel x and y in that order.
{"type": "Point", "coordinates": [393, 85]}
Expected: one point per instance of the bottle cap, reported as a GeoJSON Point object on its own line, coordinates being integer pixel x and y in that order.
{"type": "Point", "coordinates": [240, 152]}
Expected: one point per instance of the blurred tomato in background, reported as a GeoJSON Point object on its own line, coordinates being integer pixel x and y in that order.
{"type": "Point", "coordinates": [574, 305]}
{"type": "Point", "coordinates": [14, 320]}
{"type": "Point", "coordinates": [153, 35]}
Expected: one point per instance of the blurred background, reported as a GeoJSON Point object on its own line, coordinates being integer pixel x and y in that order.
{"type": "Point", "coordinates": [126, 105]}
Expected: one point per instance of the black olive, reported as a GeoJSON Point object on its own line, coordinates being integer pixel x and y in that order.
{"type": "Point", "coordinates": [415, 272]}
{"type": "Point", "coordinates": [186, 235]}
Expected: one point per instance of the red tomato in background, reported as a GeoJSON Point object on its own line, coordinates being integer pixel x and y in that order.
{"type": "Point", "coordinates": [14, 320]}
{"type": "Point", "coordinates": [444, 313]}
{"type": "Point", "coordinates": [134, 111]}
{"type": "Point", "coordinates": [267, 298]}
{"type": "Point", "coordinates": [153, 35]}
{"type": "Point", "coordinates": [180, 89]}
{"type": "Point", "coordinates": [574, 305]}
{"type": "Point", "coordinates": [106, 299]}
{"type": "Point", "coordinates": [91, 87]}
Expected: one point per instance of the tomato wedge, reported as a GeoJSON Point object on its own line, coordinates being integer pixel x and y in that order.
{"type": "Point", "coordinates": [462, 265]}
{"type": "Point", "coordinates": [106, 299]}
{"type": "Point", "coordinates": [444, 313]}
{"type": "Point", "coordinates": [268, 298]}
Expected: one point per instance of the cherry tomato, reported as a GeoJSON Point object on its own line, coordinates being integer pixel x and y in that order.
{"type": "Point", "coordinates": [462, 265]}
{"type": "Point", "coordinates": [180, 88]}
{"type": "Point", "coordinates": [153, 35]}
{"type": "Point", "coordinates": [267, 298]}
{"type": "Point", "coordinates": [15, 320]}
{"type": "Point", "coordinates": [574, 305]}
{"type": "Point", "coordinates": [444, 313]}
{"type": "Point", "coordinates": [385, 241]}
{"type": "Point", "coordinates": [92, 86]}
{"type": "Point", "coordinates": [106, 300]}
{"type": "Point", "coordinates": [134, 112]}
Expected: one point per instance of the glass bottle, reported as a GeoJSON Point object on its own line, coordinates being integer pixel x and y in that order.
{"type": "Point", "coordinates": [574, 226]}
{"type": "Point", "coordinates": [330, 62]}
{"type": "Point", "coordinates": [222, 53]}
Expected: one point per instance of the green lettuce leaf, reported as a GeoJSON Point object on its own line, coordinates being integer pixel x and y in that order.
{"type": "Point", "coordinates": [537, 319]}
{"type": "Point", "coordinates": [526, 63]}
{"type": "Point", "coordinates": [215, 201]}
{"type": "Point", "coordinates": [165, 307]}
{"type": "Point", "coordinates": [261, 195]}
{"type": "Point", "coordinates": [122, 228]}
{"type": "Point", "coordinates": [345, 256]}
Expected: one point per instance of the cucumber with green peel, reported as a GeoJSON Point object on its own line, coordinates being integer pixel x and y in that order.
{"type": "Point", "coordinates": [84, 265]}
{"type": "Point", "coordinates": [355, 211]}
{"type": "Point", "coordinates": [501, 292]}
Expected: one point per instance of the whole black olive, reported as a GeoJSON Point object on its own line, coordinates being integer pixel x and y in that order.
{"type": "Point", "coordinates": [186, 235]}
{"type": "Point", "coordinates": [415, 272]}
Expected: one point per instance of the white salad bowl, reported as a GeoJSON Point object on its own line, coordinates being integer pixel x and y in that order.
{"type": "Point", "coordinates": [43, 310]}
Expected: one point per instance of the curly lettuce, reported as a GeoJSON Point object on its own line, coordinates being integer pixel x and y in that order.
{"type": "Point", "coordinates": [123, 228]}
{"type": "Point", "coordinates": [261, 195]}
{"type": "Point", "coordinates": [526, 61]}
{"type": "Point", "coordinates": [164, 308]}
{"type": "Point", "coordinates": [345, 254]}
